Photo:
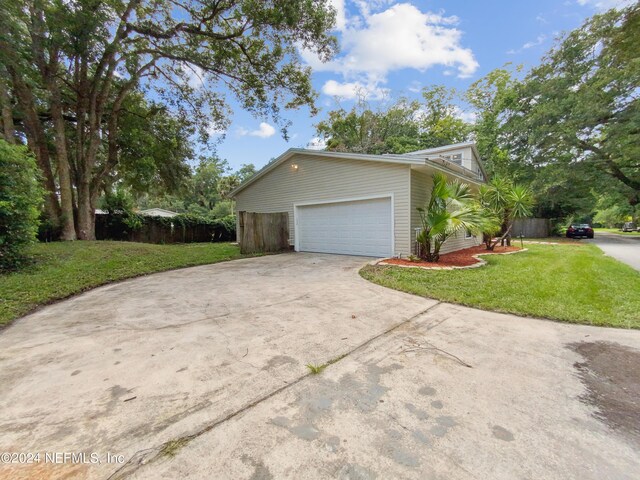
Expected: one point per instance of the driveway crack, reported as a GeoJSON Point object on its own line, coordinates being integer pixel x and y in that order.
{"type": "Point", "coordinates": [150, 455]}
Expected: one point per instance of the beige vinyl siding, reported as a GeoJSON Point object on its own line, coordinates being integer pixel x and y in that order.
{"type": "Point", "coordinates": [421, 183]}
{"type": "Point", "coordinates": [321, 179]}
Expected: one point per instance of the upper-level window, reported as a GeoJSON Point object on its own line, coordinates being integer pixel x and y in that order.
{"type": "Point", "coordinates": [457, 159]}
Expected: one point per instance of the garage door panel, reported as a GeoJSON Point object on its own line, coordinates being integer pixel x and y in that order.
{"type": "Point", "coordinates": [362, 227]}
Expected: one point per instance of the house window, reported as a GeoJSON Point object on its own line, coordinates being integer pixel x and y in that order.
{"type": "Point", "coordinates": [467, 234]}
{"type": "Point", "coordinates": [457, 159]}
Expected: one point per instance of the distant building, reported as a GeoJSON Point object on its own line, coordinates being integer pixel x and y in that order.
{"type": "Point", "coordinates": [157, 212]}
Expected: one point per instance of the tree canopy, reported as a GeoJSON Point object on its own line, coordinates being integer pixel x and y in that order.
{"type": "Point", "coordinates": [581, 106]}
{"type": "Point", "coordinates": [401, 127]}
{"type": "Point", "coordinates": [69, 69]}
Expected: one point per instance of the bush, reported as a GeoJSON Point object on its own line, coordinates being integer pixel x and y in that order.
{"type": "Point", "coordinates": [20, 201]}
{"type": "Point", "coordinates": [183, 228]}
{"type": "Point", "coordinates": [222, 209]}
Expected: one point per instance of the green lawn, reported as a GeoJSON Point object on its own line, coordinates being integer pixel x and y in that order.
{"type": "Point", "coordinates": [571, 283]}
{"type": "Point", "coordinates": [615, 230]}
{"type": "Point", "coordinates": [62, 269]}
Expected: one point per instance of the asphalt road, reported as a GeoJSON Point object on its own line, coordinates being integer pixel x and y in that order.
{"type": "Point", "coordinates": [624, 248]}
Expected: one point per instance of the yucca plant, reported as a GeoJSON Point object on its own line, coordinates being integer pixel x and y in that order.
{"type": "Point", "coordinates": [503, 202]}
{"type": "Point", "coordinates": [450, 209]}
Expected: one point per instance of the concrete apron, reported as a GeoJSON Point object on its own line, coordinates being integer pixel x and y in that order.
{"type": "Point", "coordinates": [426, 390]}
{"type": "Point", "coordinates": [454, 393]}
{"type": "Point", "coordinates": [192, 346]}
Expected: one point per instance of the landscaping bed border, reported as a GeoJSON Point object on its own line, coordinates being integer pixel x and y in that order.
{"type": "Point", "coordinates": [480, 262]}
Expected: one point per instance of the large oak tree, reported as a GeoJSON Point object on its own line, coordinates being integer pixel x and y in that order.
{"type": "Point", "coordinates": [68, 67]}
{"type": "Point", "coordinates": [581, 106]}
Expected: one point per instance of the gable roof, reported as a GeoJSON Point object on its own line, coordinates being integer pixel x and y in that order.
{"type": "Point", "coordinates": [435, 151]}
{"type": "Point", "coordinates": [158, 212]}
{"type": "Point", "coordinates": [413, 158]}
{"type": "Point", "coordinates": [446, 148]}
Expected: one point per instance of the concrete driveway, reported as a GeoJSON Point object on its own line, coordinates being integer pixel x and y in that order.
{"type": "Point", "coordinates": [621, 247]}
{"type": "Point", "coordinates": [200, 373]}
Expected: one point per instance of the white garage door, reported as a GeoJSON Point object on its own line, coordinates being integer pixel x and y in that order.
{"type": "Point", "coordinates": [360, 227]}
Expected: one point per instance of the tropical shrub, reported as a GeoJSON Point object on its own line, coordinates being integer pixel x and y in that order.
{"type": "Point", "coordinates": [450, 209]}
{"type": "Point", "coordinates": [503, 202]}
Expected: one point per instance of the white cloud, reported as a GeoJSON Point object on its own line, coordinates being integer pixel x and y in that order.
{"type": "Point", "coordinates": [465, 116]}
{"type": "Point", "coordinates": [214, 129]}
{"type": "Point", "coordinates": [415, 86]}
{"type": "Point", "coordinates": [540, 18]}
{"type": "Point", "coordinates": [404, 37]}
{"type": "Point", "coordinates": [399, 36]}
{"type": "Point", "coordinates": [194, 75]}
{"type": "Point", "coordinates": [264, 131]}
{"type": "Point", "coordinates": [341, 17]}
{"type": "Point", "coordinates": [351, 90]}
{"type": "Point", "coordinates": [540, 39]}
{"type": "Point", "coordinates": [317, 143]}
{"type": "Point", "coordinates": [602, 5]}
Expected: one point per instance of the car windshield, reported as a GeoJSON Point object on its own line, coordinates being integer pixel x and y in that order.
{"type": "Point", "coordinates": [580, 225]}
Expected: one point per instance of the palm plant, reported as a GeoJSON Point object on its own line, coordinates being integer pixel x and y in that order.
{"type": "Point", "coordinates": [503, 202]}
{"type": "Point", "coordinates": [450, 209]}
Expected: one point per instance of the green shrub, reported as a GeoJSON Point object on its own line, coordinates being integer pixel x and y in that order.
{"type": "Point", "coordinates": [117, 202]}
{"type": "Point", "coordinates": [20, 201]}
{"type": "Point", "coordinates": [222, 209]}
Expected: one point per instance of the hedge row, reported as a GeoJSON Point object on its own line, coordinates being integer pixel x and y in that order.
{"type": "Point", "coordinates": [186, 228]}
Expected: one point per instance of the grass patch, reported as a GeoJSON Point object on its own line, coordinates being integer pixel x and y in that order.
{"type": "Point", "coordinates": [316, 369]}
{"type": "Point", "coordinates": [617, 232]}
{"type": "Point", "coordinates": [171, 448]}
{"type": "Point", "coordinates": [562, 282]}
{"type": "Point", "coordinates": [62, 269]}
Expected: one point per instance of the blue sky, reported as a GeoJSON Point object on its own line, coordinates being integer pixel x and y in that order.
{"type": "Point", "coordinates": [392, 49]}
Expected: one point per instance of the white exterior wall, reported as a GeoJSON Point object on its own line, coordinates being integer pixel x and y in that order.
{"type": "Point", "coordinates": [469, 160]}
{"type": "Point", "coordinates": [421, 184]}
{"type": "Point", "coordinates": [320, 179]}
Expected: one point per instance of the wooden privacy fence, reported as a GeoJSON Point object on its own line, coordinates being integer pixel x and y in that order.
{"type": "Point", "coordinates": [531, 227]}
{"type": "Point", "coordinates": [164, 230]}
{"type": "Point", "coordinates": [263, 232]}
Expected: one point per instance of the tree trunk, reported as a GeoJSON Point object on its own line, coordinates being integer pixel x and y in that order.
{"type": "Point", "coordinates": [433, 257]}
{"type": "Point", "coordinates": [506, 234]}
{"type": "Point", "coordinates": [86, 212]}
{"type": "Point", "coordinates": [486, 239]}
{"type": "Point", "coordinates": [64, 173]}
{"type": "Point", "coordinates": [8, 129]}
{"type": "Point", "coordinates": [37, 143]}
{"type": "Point", "coordinates": [51, 205]}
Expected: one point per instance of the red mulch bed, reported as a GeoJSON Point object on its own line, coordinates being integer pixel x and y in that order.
{"type": "Point", "coordinates": [460, 258]}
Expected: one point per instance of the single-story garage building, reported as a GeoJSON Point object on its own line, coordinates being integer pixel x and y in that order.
{"type": "Point", "coordinates": [357, 204]}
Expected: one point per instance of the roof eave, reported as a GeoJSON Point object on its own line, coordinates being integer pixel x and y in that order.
{"type": "Point", "coordinates": [400, 159]}
{"type": "Point", "coordinates": [391, 158]}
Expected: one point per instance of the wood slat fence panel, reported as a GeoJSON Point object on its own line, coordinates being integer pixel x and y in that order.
{"type": "Point", "coordinates": [263, 232]}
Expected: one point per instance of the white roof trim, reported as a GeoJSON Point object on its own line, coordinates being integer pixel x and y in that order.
{"type": "Point", "coordinates": [444, 148]}
{"type": "Point", "coordinates": [413, 158]}
{"type": "Point", "coordinates": [148, 210]}
{"type": "Point", "coordinates": [454, 146]}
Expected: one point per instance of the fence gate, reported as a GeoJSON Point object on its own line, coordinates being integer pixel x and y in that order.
{"type": "Point", "coordinates": [263, 232]}
{"type": "Point", "coordinates": [531, 227]}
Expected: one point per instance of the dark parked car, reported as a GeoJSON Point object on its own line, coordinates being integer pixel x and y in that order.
{"type": "Point", "coordinates": [580, 230]}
